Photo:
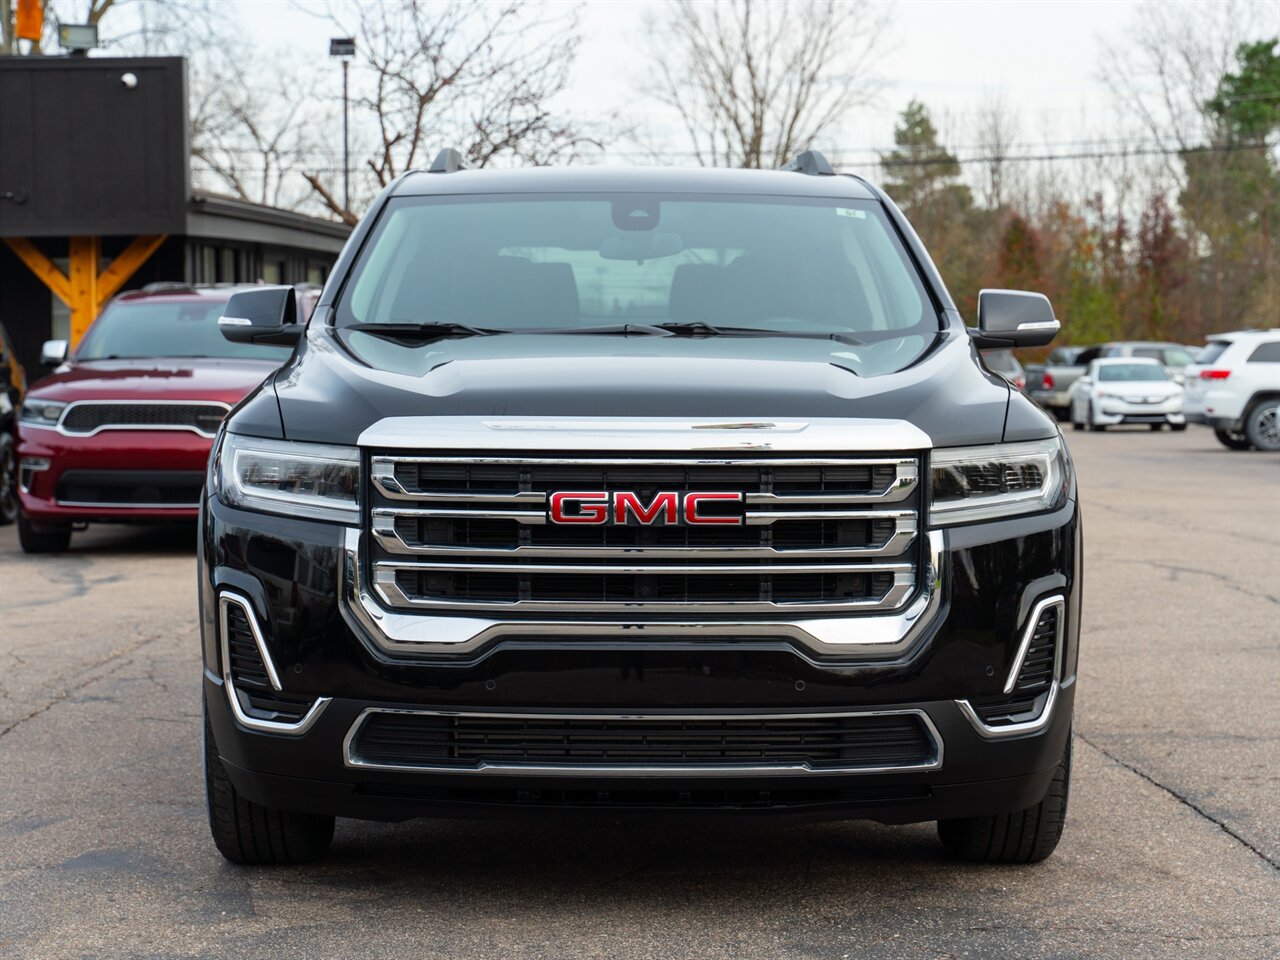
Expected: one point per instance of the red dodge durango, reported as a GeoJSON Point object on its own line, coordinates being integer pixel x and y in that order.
{"type": "Point", "coordinates": [121, 431]}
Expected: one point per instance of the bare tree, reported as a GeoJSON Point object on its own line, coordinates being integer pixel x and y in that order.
{"type": "Point", "coordinates": [1168, 66]}
{"type": "Point", "coordinates": [753, 82]}
{"type": "Point", "coordinates": [481, 77]}
{"type": "Point", "coordinates": [997, 128]}
{"type": "Point", "coordinates": [249, 139]}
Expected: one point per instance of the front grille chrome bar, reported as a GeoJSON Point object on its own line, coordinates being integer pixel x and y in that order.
{"type": "Point", "coordinates": [388, 589]}
{"type": "Point", "coordinates": [905, 529]}
{"type": "Point", "coordinates": [383, 474]}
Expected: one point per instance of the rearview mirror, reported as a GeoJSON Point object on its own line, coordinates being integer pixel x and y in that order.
{"type": "Point", "coordinates": [1014, 318]}
{"type": "Point", "coordinates": [262, 315]}
{"type": "Point", "coordinates": [53, 353]}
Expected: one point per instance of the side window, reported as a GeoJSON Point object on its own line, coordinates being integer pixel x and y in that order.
{"type": "Point", "coordinates": [1088, 356]}
{"type": "Point", "coordinates": [1268, 352]}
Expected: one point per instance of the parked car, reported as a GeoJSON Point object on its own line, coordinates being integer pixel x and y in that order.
{"type": "Point", "coordinates": [122, 429]}
{"type": "Point", "coordinates": [488, 543]}
{"type": "Point", "coordinates": [1055, 381]}
{"type": "Point", "coordinates": [1174, 357]}
{"type": "Point", "coordinates": [1235, 389]}
{"type": "Point", "coordinates": [13, 387]}
{"type": "Point", "coordinates": [1006, 364]}
{"type": "Point", "coordinates": [1050, 384]}
{"type": "Point", "coordinates": [1117, 390]}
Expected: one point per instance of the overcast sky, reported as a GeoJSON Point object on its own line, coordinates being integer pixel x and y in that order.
{"type": "Point", "coordinates": [1041, 56]}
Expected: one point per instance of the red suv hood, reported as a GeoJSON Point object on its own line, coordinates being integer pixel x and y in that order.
{"type": "Point", "coordinates": [155, 378]}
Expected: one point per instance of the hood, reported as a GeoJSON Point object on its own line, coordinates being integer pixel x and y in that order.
{"type": "Point", "coordinates": [328, 396]}
{"type": "Point", "coordinates": [154, 378]}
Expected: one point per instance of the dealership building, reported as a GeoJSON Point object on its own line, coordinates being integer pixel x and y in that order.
{"type": "Point", "coordinates": [96, 198]}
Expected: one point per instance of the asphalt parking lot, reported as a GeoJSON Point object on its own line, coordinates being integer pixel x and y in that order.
{"type": "Point", "coordinates": [1172, 847]}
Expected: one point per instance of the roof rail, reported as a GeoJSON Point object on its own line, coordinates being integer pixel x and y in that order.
{"type": "Point", "coordinates": [447, 160]}
{"type": "Point", "coordinates": [811, 163]}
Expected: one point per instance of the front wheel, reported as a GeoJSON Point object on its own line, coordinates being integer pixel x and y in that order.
{"type": "Point", "coordinates": [249, 833]}
{"type": "Point", "coordinates": [1093, 424]}
{"type": "Point", "coordinates": [1177, 427]}
{"type": "Point", "coordinates": [1027, 836]}
{"type": "Point", "coordinates": [8, 481]}
{"type": "Point", "coordinates": [53, 538]}
{"type": "Point", "coordinates": [1232, 439]}
{"type": "Point", "coordinates": [1262, 424]}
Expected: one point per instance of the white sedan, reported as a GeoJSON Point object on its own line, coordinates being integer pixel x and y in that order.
{"type": "Point", "coordinates": [1116, 390]}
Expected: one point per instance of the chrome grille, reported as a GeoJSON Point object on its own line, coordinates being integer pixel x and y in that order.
{"type": "Point", "coordinates": [819, 534]}
{"type": "Point", "coordinates": [87, 417]}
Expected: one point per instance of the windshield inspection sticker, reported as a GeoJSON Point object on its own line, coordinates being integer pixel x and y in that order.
{"type": "Point", "coordinates": [847, 212]}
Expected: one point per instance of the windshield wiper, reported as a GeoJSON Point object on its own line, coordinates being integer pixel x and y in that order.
{"type": "Point", "coordinates": [408, 330]}
{"type": "Point", "coordinates": [697, 328]}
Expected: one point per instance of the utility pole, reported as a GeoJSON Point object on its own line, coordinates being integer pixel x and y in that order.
{"type": "Point", "coordinates": [344, 47]}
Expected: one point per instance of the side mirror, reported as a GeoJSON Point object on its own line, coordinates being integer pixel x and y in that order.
{"type": "Point", "coordinates": [262, 315]}
{"type": "Point", "coordinates": [1014, 318]}
{"type": "Point", "coordinates": [53, 353]}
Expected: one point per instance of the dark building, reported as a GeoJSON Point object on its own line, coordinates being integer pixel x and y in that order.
{"type": "Point", "coordinates": [96, 197]}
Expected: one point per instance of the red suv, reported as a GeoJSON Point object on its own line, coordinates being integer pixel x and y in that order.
{"type": "Point", "coordinates": [121, 430]}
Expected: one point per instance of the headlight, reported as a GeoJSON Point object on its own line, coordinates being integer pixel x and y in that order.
{"type": "Point", "coordinates": [41, 413]}
{"type": "Point", "coordinates": [1000, 480]}
{"type": "Point", "coordinates": [312, 480]}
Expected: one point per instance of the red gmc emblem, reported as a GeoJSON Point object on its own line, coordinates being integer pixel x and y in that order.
{"type": "Point", "coordinates": [625, 508]}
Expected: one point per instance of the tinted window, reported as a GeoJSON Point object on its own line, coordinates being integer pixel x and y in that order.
{"type": "Point", "coordinates": [173, 329]}
{"type": "Point", "coordinates": [1177, 357]}
{"type": "Point", "coordinates": [1268, 352]}
{"type": "Point", "coordinates": [1146, 353]}
{"type": "Point", "coordinates": [1131, 371]}
{"type": "Point", "coordinates": [546, 261]}
{"type": "Point", "coordinates": [1213, 351]}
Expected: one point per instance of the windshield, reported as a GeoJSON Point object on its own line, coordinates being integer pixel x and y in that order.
{"type": "Point", "coordinates": [1131, 371]}
{"type": "Point", "coordinates": [550, 262]}
{"type": "Point", "coordinates": [167, 329]}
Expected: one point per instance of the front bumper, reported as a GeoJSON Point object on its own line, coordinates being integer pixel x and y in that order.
{"type": "Point", "coordinates": [132, 456]}
{"type": "Point", "coordinates": [1052, 399]}
{"type": "Point", "coordinates": [292, 573]}
{"type": "Point", "coordinates": [1112, 411]}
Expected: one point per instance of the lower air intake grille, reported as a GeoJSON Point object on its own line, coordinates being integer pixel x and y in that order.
{"type": "Point", "coordinates": [249, 675]}
{"type": "Point", "coordinates": [465, 742]}
{"type": "Point", "coordinates": [131, 488]}
{"type": "Point", "coordinates": [248, 672]}
{"type": "Point", "coordinates": [1035, 676]}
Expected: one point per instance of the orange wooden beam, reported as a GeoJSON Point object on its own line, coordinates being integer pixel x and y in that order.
{"type": "Point", "coordinates": [41, 266]}
{"type": "Point", "coordinates": [85, 255]}
{"type": "Point", "coordinates": [125, 265]}
{"type": "Point", "coordinates": [83, 288]}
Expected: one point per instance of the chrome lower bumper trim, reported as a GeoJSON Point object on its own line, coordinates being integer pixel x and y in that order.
{"type": "Point", "coordinates": [398, 633]}
{"type": "Point", "coordinates": [1013, 729]}
{"type": "Point", "coordinates": [598, 770]}
{"type": "Point", "coordinates": [253, 723]}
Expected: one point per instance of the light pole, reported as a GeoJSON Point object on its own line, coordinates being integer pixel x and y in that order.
{"type": "Point", "coordinates": [344, 47]}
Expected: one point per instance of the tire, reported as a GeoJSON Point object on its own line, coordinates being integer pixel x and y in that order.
{"type": "Point", "coordinates": [8, 481]}
{"type": "Point", "coordinates": [1077, 425]}
{"type": "Point", "coordinates": [1232, 439]}
{"type": "Point", "coordinates": [1262, 424]}
{"type": "Point", "coordinates": [1027, 836]}
{"type": "Point", "coordinates": [54, 538]}
{"type": "Point", "coordinates": [1156, 427]}
{"type": "Point", "coordinates": [1177, 427]}
{"type": "Point", "coordinates": [249, 833]}
{"type": "Point", "coordinates": [1094, 426]}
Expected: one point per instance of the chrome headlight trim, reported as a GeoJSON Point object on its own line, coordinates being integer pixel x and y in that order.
{"type": "Point", "coordinates": [245, 468]}
{"type": "Point", "coordinates": [1049, 456]}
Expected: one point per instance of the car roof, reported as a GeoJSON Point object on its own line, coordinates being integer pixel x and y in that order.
{"type": "Point", "coordinates": [1242, 334]}
{"type": "Point", "coordinates": [1144, 343]}
{"type": "Point", "coordinates": [181, 293]}
{"type": "Point", "coordinates": [1110, 361]}
{"type": "Point", "coordinates": [633, 180]}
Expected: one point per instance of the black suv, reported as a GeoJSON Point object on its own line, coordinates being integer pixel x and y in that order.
{"type": "Point", "coordinates": [609, 491]}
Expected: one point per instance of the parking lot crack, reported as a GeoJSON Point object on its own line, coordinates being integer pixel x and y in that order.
{"type": "Point", "coordinates": [1222, 578]}
{"type": "Point", "coordinates": [1184, 800]}
{"type": "Point", "coordinates": [116, 660]}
